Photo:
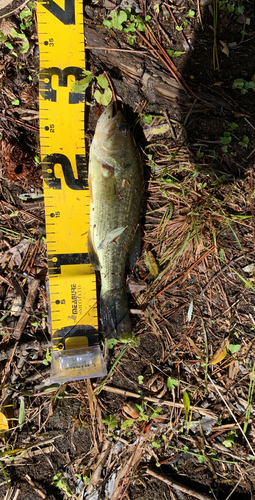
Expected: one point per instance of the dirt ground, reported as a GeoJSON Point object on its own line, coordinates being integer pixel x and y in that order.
{"type": "Point", "coordinates": [175, 419]}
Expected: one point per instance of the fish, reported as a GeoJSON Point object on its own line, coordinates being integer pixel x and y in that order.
{"type": "Point", "coordinates": [115, 186]}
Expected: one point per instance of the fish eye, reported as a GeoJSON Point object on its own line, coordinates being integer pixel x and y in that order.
{"type": "Point", "coordinates": [123, 128]}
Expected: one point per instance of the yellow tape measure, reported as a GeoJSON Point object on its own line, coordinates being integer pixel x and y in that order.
{"type": "Point", "coordinates": [72, 283]}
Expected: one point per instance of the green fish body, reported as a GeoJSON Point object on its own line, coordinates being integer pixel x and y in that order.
{"type": "Point", "coordinates": [115, 183]}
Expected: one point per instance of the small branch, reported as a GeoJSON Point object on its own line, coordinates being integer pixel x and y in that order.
{"type": "Point", "coordinates": [116, 390]}
{"type": "Point", "coordinates": [178, 486]}
{"type": "Point", "coordinates": [27, 310]}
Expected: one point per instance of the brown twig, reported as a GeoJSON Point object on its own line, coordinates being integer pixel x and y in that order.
{"type": "Point", "coordinates": [222, 270]}
{"type": "Point", "coordinates": [175, 22]}
{"type": "Point", "coordinates": [188, 270]}
{"type": "Point", "coordinates": [191, 330]}
{"type": "Point", "coordinates": [174, 484]}
{"type": "Point", "coordinates": [129, 394]}
{"type": "Point", "coordinates": [27, 309]}
{"type": "Point", "coordinates": [113, 91]}
{"type": "Point", "coordinates": [28, 127]}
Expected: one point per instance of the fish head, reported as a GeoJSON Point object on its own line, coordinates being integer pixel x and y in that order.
{"type": "Point", "coordinates": [113, 139]}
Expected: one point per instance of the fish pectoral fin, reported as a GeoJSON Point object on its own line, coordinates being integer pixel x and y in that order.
{"type": "Point", "coordinates": [92, 254]}
{"type": "Point", "coordinates": [134, 253]}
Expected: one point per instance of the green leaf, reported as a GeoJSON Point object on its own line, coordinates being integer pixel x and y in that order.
{"type": "Point", "coordinates": [127, 423]}
{"type": "Point", "coordinates": [224, 149]}
{"type": "Point", "coordinates": [140, 379]}
{"type": "Point", "coordinates": [174, 53]}
{"type": "Point", "coordinates": [232, 126]}
{"type": "Point", "coordinates": [172, 383]}
{"type": "Point", "coordinates": [179, 28]}
{"type": "Point", "coordinates": [25, 47]}
{"type": "Point", "coordinates": [81, 85]}
{"type": "Point", "coordinates": [131, 40]}
{"type": "Point", "coordinates": [3, 38]}
{"type": "Point", "coordinates": [15, 34]}
{"type": "Point", "coordinates": [238, 83]}
{"type": "Point", "coordinates": [130, 338]}
{"type": "Point", "coordinates": [156, 444]}
{"type": "Point", "coordinates": [9, 45]}
{"type": "Point", "coordinates": [107, 23]}
{"type": "Point", "coordinates": [32, 5]}
{"type": "Point", "coordinates": [249, 85]}
{"type": "Point", "coordinates": [34, 323]}
{"type": "Point", "coordinates": [201, 458]}
{"type": "Point", "coordinates": [227, 443]}
{"type": "Point", "coordinates": [111, 421]}
{"type": "Point", "coordinates": [22, 414]}
{"type": "Point", "coordinates": [102, 81]}
{"type": "Point", "coordinates": [25, 14]}
{"type": "Point", "coordinates": [147, 18]}
{"type": "Point", "coordinates": [226, 139]}
{"type": "Point", "coordinates": [104, 98]}
{"type": "Point", "coordinates": [146, 118]}
{"type": "Point", "coordinates": [191, 13]}
{"type": "Point", "coordinates": [186, 402]}
{"type": "Point", "coordinates": [239, 10]}
{"type": "Point", "coordinates": [130, 28]}
{"type": "Point", "coordinates": [234, 348]}
{"type": "Point", "coordinates": [139, 23]}
{"type": "Point", "coordinates": [156, 413]}
{"type": "Point", "coordinates": [151, 263]}
{"type": "Point", "coordinates": [118, 18]}
{"type": "Point", "coordinates": [111, 343]}
{"type": "Point", "coordinates": [60, 482]}
{"type": "Point", "coordinates": [15, 102]}
{"type": "Point", "coordinates": [244, 142]}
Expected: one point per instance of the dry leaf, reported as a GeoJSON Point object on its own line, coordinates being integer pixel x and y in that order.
{"type": "Point", "coordinates": [221, 353]}
{"type": "Point", "coordinates": [225, 49]}
{"type": "Point", "coordinates": [249, 269]}
{"type": "Point", "coordinates": [197, 351]}
{"type": "Point", "coordinates": [233, 370]}
{"type": "Point", "coordinates": [151, 264]}
{"type": "Point", "coordinates": [134, 286]}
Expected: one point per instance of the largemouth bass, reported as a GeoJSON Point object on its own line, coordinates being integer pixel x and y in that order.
{"type": "Point", "coordinates": [115, 184]}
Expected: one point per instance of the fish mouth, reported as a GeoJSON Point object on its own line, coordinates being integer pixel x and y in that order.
{"type": "Point", "coordinates": [108, 121]}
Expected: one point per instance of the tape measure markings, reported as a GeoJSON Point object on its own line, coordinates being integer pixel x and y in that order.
{"type": "Point", "coordinates": [71, 277]}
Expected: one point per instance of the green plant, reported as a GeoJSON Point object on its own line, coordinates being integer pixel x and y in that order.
{"type": "Point", "coordinates": [230, 6]}
{"type": "Point", "coordinates": [243, 85]}
{"type": "Point", "coordinates": [111, 421]}
{"type": "Point", "coordinates": [103, 95]}
{"type": "Point", "coordinates": [48, 357]}
{"type": "Point", "coordinates": [230, 439]}
{"type": "Point", "coordinates": [130, 341]}
{"type": "Point", "coordinates": [126, 21]}
{"type": "Point", "coordinates": [172, 383]}
{"type": "Point", "coordinates": [226, 139]}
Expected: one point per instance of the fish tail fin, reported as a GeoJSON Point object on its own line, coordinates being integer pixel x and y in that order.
{"type": "Point", "coordinates": [114, 313]}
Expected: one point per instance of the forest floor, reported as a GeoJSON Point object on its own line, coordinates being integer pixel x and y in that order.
{"type": "Point", "coordinates": [175, 419]}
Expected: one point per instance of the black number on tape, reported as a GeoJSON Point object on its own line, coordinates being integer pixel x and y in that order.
{"type": "Point", "coordinates": [52, 181]}
{"type": "Point", "coordinates": [45, 83]}
{"type": "Point", "coordinates": [66, 15]}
